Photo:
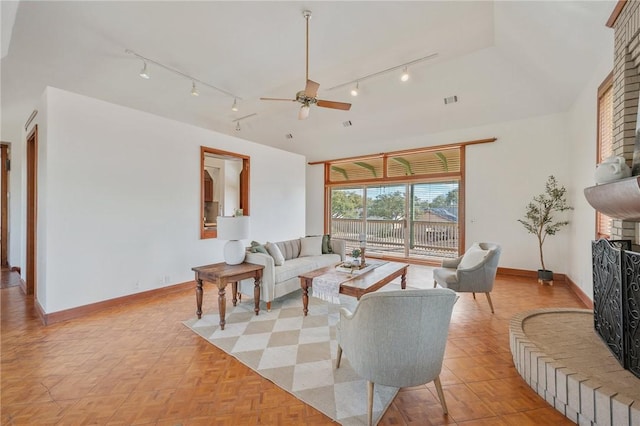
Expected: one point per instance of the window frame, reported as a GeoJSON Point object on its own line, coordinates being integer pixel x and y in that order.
{"type": "Point", "coordinates": [605, 89]}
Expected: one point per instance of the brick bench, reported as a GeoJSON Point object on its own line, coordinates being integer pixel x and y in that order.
{"type": "Point", "coordinates": [560, 356]}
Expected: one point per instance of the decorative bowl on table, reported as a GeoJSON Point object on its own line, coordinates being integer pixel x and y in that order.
{"type": "Point", "coordinates": [352, 265]}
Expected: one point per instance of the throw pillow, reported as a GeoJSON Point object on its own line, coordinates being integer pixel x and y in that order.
{"type": "Point", "coordinates": [310, 246]}
{"type": "Point", "coordinates": [274, 251]}
{"type": "Point", "coordinates": [474, 256]}
{"type": "Point", "coordinates": [259, 248]}
{"type": "Point", "coordinates": [326, 244]}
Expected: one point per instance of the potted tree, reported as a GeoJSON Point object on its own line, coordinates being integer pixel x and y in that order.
{"type": "Point", "coordinates": [539, 219]}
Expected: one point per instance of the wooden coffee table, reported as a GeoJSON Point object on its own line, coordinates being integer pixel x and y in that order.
{"type": "Point", "coordinates": [359, 285]}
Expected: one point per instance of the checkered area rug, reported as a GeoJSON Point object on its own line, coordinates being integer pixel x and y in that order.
{"type": "Point", "coordinates": [297, 353]}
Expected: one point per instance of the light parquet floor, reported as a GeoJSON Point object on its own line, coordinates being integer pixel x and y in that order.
{"type": "Point", "coordinates": [138, 365]}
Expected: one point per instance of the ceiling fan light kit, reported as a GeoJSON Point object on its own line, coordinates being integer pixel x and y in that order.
{"type": "Point", "coordinates": [308, 96]}
{"type": "Point", "coordinates": [303, 114]}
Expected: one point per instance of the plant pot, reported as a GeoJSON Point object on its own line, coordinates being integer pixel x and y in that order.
{"type": "Point", "coordinates": [545, 275]}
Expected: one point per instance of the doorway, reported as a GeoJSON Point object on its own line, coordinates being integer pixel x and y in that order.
{"type": "Point", "coordinates": [4, 203]}
{"type": "Point", "coordinates": [32, 210]}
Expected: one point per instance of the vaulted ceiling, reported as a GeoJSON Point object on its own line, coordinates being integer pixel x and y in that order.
{"type": "Point", "coordinates": [503, 61]}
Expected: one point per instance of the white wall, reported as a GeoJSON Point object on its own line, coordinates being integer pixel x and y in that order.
{"type": "Point", "coordinates": [582, 125]}
{"type": "Point", "coordinates": [119, 200]}
{"type": "Point", "coordinates": [315, 199]}
{"type": "Point", "coordinates": [501, 178]}
{"type": "Point", "coordinates": [15, 203]}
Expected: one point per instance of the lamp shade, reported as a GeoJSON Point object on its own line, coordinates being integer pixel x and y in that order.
{"type": "Point", "coordinates": [233, 229]}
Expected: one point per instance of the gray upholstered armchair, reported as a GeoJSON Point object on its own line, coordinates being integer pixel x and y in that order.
{"type": "Point", "coordinates": [474, 272]}
{"type": "Point", "coordinates": [397, 338]}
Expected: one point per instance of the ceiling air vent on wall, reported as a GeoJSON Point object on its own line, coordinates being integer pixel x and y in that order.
{"type": "Point", "coordinates": [450, 100]}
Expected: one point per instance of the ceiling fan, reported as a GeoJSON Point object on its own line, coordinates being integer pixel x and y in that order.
{"type": "Point", "coordinates": [307, 97]}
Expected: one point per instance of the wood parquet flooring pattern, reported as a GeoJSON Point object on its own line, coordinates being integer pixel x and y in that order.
{"type": "Point", "coordinates": [137, 364]}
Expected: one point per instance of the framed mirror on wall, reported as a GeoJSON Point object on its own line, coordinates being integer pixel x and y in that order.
{"type": "Point", "coordinates": [224, 187]}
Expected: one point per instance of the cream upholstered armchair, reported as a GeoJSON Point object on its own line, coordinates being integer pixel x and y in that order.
{"type": "Point", "coordinates": [474, 272]}
{"type": "Point", "coordinates": [397, 338]}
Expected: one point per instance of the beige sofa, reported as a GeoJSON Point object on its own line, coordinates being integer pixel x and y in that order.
{"type": "Point", "coordinates": [280, 280]}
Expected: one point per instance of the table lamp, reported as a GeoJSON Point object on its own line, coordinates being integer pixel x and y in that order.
{"type": "Point", "coordinates": [234, 229]}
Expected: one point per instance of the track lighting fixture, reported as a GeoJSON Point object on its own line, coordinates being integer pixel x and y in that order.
{"type": "Point", "coordinates": [405, 75]}
{"type": "Point", "coordinates": [234, 107]}
{"type": "Point", "coordinates": [144, 73]}
{"type": "Point", "coordinates": [354, 91]}
{"type": "Point", "coordinates": [238, 120]}
{"type": "Point", "coordinates": [303, 114]}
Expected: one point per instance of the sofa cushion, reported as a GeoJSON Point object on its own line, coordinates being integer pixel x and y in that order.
{"type": "Point", "coordinates": [292, 268]}
{"type": "Point", "coordinates": [274, 251]}
{"type": "Point", "coordinates": [290, 249]}
{"type": "Point", "coordinates": [310, 246]}
{"type": "Point", "coordinates": [324, 260]}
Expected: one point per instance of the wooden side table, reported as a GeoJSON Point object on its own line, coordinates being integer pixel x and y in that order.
{"type": "Point", "coordinates": [222, 274]}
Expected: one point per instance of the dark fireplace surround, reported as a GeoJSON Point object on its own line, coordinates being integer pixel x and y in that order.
{"type": "Point", "coordinates": [616, 300]}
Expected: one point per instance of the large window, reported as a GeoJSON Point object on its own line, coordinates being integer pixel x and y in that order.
{"type": "Point", "coordinates": [605, 143]}
{"type": "Point", "coordinates": [407, 220]}
{"type": "Point", "coordinates": [409, 204]}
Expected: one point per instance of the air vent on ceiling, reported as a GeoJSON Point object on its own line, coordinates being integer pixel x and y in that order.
{"type": "Point", "coordinates": [450, 100]}
{"type": "Point", "coordinates": [288, 136]}
{"type": "Point", "coordinates": [347, 123]}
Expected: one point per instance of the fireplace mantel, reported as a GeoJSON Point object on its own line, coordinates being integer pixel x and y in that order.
{"type": "Point", "coordinates": [619, 199]}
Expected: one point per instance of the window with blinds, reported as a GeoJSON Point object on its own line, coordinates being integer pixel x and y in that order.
{"type": "Point", "coordinates": [605, 143]}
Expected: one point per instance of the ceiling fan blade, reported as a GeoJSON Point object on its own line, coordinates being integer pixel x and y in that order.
{"type": "Point", "coordinates": [277, 99]}
{"type": "Point", "coordinates": [335, 105]}
{"type": "Point", "coordinates": [311, 89]}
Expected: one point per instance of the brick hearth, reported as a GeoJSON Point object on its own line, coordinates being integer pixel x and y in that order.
{"type": "Point", "coordinates": [561, 357]}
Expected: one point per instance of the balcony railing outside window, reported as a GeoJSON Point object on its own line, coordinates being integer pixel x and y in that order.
{"type": "Point", "coordinates": [387, 237]}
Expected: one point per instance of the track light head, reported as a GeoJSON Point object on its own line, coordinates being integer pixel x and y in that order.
{"type": "Point", "coordinates": [144, 73]}
{"type": "Point", "coordinates": [238, 126]}
{"type": "Point", "coordinates": [234, 107]}
{"type": "Point", "coordinates": [354, 91]}
{"type": "Point", "coordinates": [194, 90]}
{"type": "Point", "coordinates": [405, 75]}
